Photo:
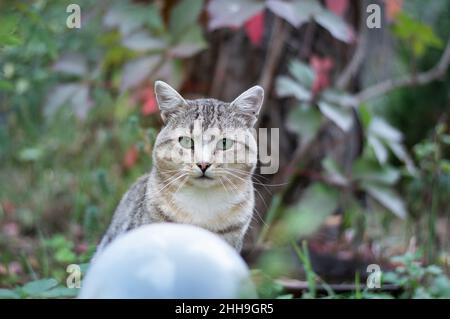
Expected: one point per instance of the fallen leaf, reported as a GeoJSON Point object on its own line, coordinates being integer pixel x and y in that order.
{"type": "Point", "coordinates": [254, 28]}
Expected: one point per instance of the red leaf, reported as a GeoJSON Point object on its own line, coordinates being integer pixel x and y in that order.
{"type": "Point", "coordinates": [393, 7]}
{"type": "Point", "coordinates": [150, 106]}
{"type": "Point", "coordinates": [337, 6]}
{"type": "Point", "coordinates": [131, 157]}
{"type": "Point", "coordinates": [254, 27]}
{"type": "Point", "coordinates": [8, 207]}
{"type": "Point", "coordinates": [322, 68]}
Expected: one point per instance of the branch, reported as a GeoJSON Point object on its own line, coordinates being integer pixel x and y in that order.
{"type": "Point", "coordinates": [276, 45]}
{"type": "Point", "coordinates": [382, 88]}
{"type": "Point", "coordinates": [360, 52]}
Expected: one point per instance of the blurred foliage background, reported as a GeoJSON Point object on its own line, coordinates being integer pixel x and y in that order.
{"type": "Point", "coordinates": [364, 157]}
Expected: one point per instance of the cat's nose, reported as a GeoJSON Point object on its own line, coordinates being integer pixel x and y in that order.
{"type": "Point", "coordinates": [203, 166]}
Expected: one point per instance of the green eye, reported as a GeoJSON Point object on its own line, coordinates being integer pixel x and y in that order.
{"type": "Point", "coordinates": [186, 142]}
{"type": "Point", "coordinates": [225, 144]}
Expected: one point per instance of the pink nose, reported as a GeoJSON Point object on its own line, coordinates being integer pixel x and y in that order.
{"type": "Point", "coordinates": [203, 166]}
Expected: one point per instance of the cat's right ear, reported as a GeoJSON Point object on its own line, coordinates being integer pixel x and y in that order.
{"type": "Point", "coordinates": [169, 100]}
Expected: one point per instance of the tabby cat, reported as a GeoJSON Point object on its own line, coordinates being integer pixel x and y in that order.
{"type": "Point", "coordinates": [203, 161]}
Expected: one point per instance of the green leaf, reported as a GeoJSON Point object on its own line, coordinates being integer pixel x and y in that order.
{"type": "Point", "coordinates": [295, 12]}
{"type": "Point", "coordinates": [342, 117]}
{"type": "Point", "coordinates": [365, 115]}
{"type": "Point", "coordinates": [335, 25]}
{"type": "Point", "coordinates": [303, 219]}
{"type": "Point", "coordinates": [34, 288]}
{"type": "Point", "coordinates": [370, 171]}
{"type": "Point", "coordinates": [302, 73]}
{"type": "Point", "coordinates": [232, 13]}
{"type": "Point", "coordinates": [136, 71]}
{"type": "Point", "coordinates": [6, 85]}
{"type": "Point", "coordinates": [387, 197]}
{"type": "Point", "coordinates": [190, 44]}
{"type": "Point", "coordinates": [304, 121]}
{"type": "Point", "coordinates": [184, 15]}
{"type": "Point", "coordinates": [380, 128]}
{"type": "Point", "coordinates": [286, 87]}
{"type": "Point", "coordinates": [30, 154]}
{"type": "Point", "coordinates": [415, 33]}
{"type": "Point", "coordinates": [333, 171]}
{"type": "Point", "coordinates": [378, 147]}
{"type": "Point", "coordinates": [143, 41]}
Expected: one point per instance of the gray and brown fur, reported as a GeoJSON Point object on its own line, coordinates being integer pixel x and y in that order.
{"type": "Point", "coordinates": [178, 191]}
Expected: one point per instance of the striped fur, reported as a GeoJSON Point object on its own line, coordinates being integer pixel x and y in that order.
{"type": "Point", "coordinates": [173, 190]}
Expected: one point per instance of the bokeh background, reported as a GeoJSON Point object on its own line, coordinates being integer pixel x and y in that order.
{"type": "Point", "coordinates": [362, 115]}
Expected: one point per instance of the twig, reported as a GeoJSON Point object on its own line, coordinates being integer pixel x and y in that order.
{"type": "Point", "coordinates": [382, 88]}
{"type": "Point", "coordinates": [358, 57]}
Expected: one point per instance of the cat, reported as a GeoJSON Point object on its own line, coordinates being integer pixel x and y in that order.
{"type": "Point", "coordinates": [196, 177]}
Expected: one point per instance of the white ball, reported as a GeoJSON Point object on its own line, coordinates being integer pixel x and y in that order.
{"type": "Point", "coordinates": [168, 261]}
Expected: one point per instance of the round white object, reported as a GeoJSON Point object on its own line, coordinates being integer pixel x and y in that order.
{"type": "Point", "coordinates": [168, 260]}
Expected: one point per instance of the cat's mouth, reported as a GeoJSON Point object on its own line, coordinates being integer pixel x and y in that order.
{"type": "Point", "coordinates": [204, 177]}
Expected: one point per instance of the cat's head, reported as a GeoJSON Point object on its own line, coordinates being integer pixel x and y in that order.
{"type": "Point", "coordinates": [206, 142]}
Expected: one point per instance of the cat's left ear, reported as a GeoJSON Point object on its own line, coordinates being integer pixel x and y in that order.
{"type": "Point", "coordinates": [249, 103]}
{"type": "Point", "coordinates": [169, 100]}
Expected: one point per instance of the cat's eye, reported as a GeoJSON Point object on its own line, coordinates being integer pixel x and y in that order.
{"type": "Point", "coordinates": [186, 142]}
{"type": "Point", "coordinates": [225, 144]}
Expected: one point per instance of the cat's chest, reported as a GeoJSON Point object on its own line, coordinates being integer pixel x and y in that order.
{"type": "Point", "coordinates": [201, 204]}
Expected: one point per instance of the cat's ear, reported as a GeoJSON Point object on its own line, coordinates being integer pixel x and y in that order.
{"type": "Point", "coordinates": [249, 102]}
{"type": "Point", "coordinates": [169, 100]}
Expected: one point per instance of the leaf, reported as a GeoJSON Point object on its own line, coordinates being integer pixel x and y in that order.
{"type": "Point", "coordinates": [382, 129]}
{"type": "Point", "coordinates": [301, 72]}
{"type": "Point", "coordinates": [34, 288]}
{"type": "Point", "coordinates": [378, 147]}
{"type": "Point", "coordinates": [402, 154]}
{"type": "Point", "coordinates": [129, 17]}
{"type": "Point", "coordinates": [254, 28]}
{"type": "Point", "coordinates": [317, 202]}
{"type": "Point", "coordinates": [71, 63]}
{"type": "Point", "coordinates": [58, 96]}
{"type": "Point", "coordinates": [296, 12]}
{"type": "Point", "coordinates": [343, 118]}
{"type": "Point", "coordinates": [286, 11]}
{"type": "Point", "coordinates": [304, 121]}
{"type": "Point", "coordinates": [143, 41]}
{"type": "Point", "coordinates": [8, 294]}
{"type": "Point", "coordinates": [136, 71]}
{"type": "Point", "coordinates": [387, 197]}
{"type": "Point", "coordinates": [335, 25]}
{"type": "Point", "coordinates": [81, 101]}
{"type": "Point", "coordinates": [8, 30]}
{"type": "Point", "coordinates": [393, 7]}
{"type": "Point", "coordinates": [190, 44]}
{"type": "Point", "coordinates": [287, 87]}
{"type": "Point", "coordinates": [232, 13]}
{"type": "Point", "coordinates": [416, 34]}
{"type": "Point", "coordinates": [184, 15]}
{"type": "Point", "coordinates": [334, 172]}
{"type": "Point", "coordinates": [338, 7]}
{"type": "Point", "coordinates": [370, 171]}
{"type": "Point", "coordinates": [30, 154]}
